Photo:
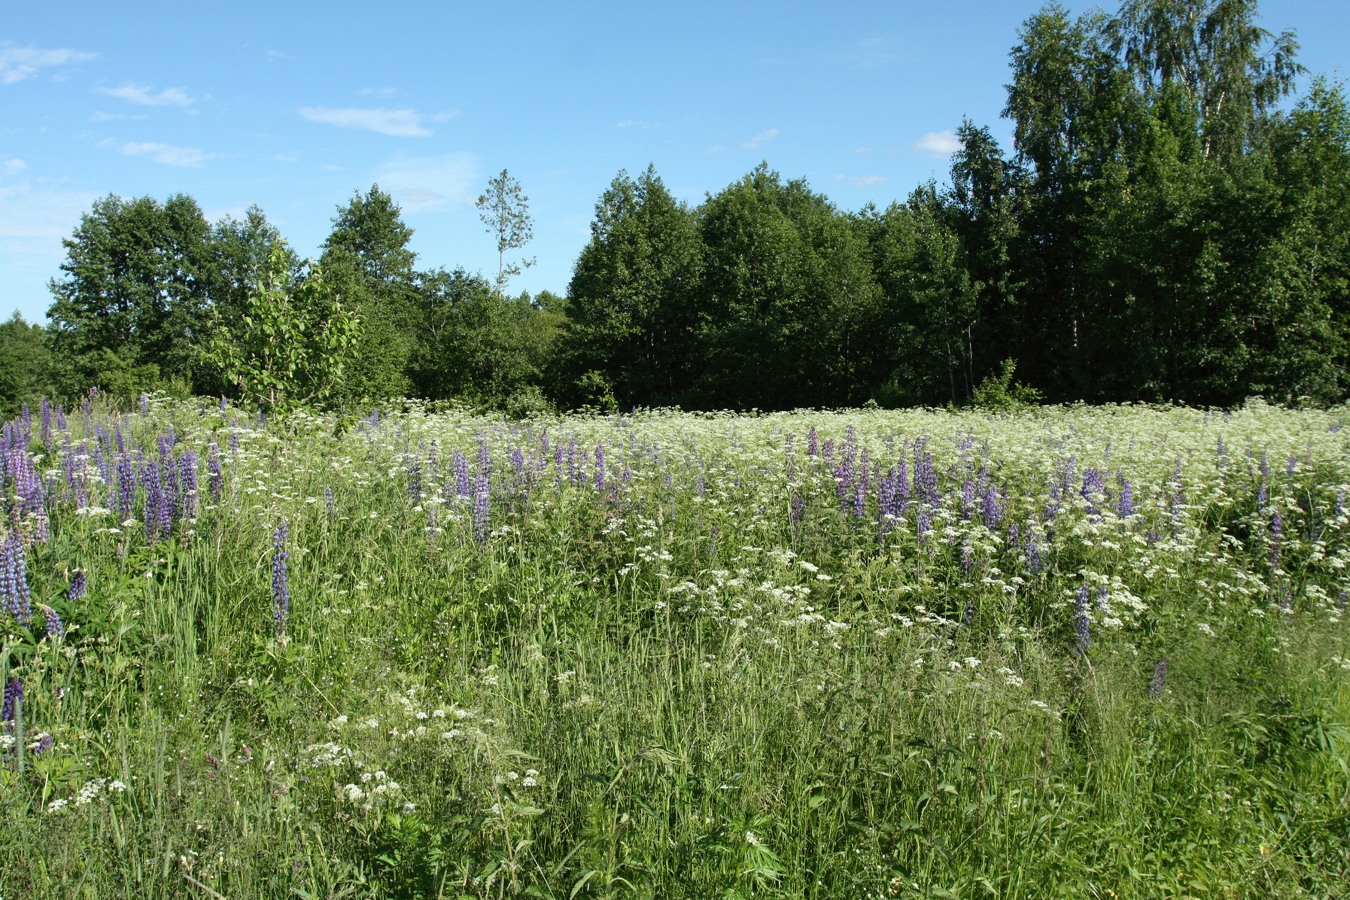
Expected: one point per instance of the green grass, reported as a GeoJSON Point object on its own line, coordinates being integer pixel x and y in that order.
{"type": "Point", "coordinates": [667, 687]}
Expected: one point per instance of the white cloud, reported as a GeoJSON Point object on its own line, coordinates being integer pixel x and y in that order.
{"type": "Point", "coordinates": [14, 166]}
{"type": "Point", "coordinates": [101, 116]}
{"type": "Point", "coordinates": [868, 180]}
{"type": "Point", "coordinates": [168, 155]}
{"type": "Point", "coordinates": [762, 138]}
{"type": "Point", "coordinates": [141, 96]}
{"type": "Point", "coordinates": [393, 122]}
{"type": "Point", "coordinates": [873, 53]}
{"type": "Point", "coordinates": [430, 183]}
{"type": "Point", "coordinates": [937, 143]}
{"type": "Point", "coordinates": [34, 217]}
{"type": "Point", "coordinates": [638, 123]}
{"type": "Point", "coordinates": [19, 63]}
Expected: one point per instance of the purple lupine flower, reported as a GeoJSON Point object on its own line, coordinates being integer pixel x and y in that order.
{"type": "Point", "coordinates": [482, 508]}
{"type": "Point", "coordinates": [812, 446]}
{"type": "Point", "coordinates": [126, 487]}
{"type": "Point", "coordinates": [328, 501]}
{"type": "Point", "coordinates": [1291, 465]}
{"type": "Point", "coordinates": [79, 585]}
{"type": "Point", "coordinates": [415, 480]}
{"type": "Point", "coordinates": [991, 508]}
{"type": "Point", "coordinates": [484, 455]}
{"type": "Point", "coordinates": [1125, 503]}
{"type": "Point", "coordinates": [1221, 455]}
{"type": "Point", "coordinates": [281, 588]}
{"type": "Point", "coordinates": [145, 404]}
{"type": "Point", "coordinates": [101, 463]}
{"type": "Point", "coordinates": [215, 476]}
{"type": "Point", "coordinates": [1276, 536]}
{"type": "Point", "coordinates": [967, 499]}
{"type": "Point", "coordinates": [1082, 620]}
{"type": "Point", "coordinates": [1159, 679]}
{"type": "Point", "coordinates": [798, 507]}
{"type": "Point", "coordinates": [600, 467]}
{"type": "Point", "coordinates": [12, 707]}
{"type": "Point", "coordinates": [14, 593]}
{"type": "Point", "coordinates": [187, 485]}
{"type": "Point", "coordinates": [56, 629]}
{"type": "Point", "coordinates": [1093, 488]}
{"type": "Point", "coordinates": [459, 466]}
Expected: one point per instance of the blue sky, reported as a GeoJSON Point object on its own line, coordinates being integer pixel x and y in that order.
{"type": "Point", "coordinates": [297, 106]}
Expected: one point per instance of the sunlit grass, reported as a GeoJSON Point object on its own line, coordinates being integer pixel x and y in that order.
{"type": "Point", "coordinates": [1073, 652]}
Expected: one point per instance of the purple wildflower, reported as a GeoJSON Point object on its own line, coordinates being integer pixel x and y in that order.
{"type": "Point", "coordinates": [991, 509]}
{"type": "Point", "coordinates": [14, 593]}
{"type": "Point", "coordinates": [79, 585]}
{"type": "Point", "coordinates": [215, 477]}
{"type": "Point", "coordinates": [1125, 503]}
{"type": "Point", "coordinates": [1156, 683]}
{"type": "Point", "coordinates": [187, 485]}
{"type": "Point", "coordinates": [13, 703]}
{"type": "Point", "coordinates": [1082, 620]}
{"type": "Point", "coordinates": [281, 589]}
{"type": "Point", "coordinates": [1276, 536]}
{"type": "Point", "coordinates": [482, 508]}
{"type": "Point", "coordinates": [126, 487]}
{"type": "Point", "coordinates": [52, 622]}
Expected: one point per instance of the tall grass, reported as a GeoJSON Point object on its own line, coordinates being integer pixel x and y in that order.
{"type": "Point", "coordinates": [1077, 652]}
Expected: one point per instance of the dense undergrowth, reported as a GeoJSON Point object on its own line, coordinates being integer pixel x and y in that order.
{"type": "Point", "coordinates": [1074, 652]}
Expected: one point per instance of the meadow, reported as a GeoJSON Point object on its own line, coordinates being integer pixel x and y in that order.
{"type": "Point", "coordinates": [1065, 652]}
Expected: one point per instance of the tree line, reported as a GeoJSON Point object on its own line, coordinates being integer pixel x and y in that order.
{"type": "Point", "coordinates": [1168, 226]}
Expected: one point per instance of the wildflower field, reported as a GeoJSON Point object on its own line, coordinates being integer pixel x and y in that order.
{"type": "Point", "coordinates": [1071, 652]}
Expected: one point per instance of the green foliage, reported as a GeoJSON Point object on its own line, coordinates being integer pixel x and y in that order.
{"type": "Point", "coordinates": [999, 393]}
{"type": "Point", "coordinates": [127, 302]}
{"type": "Point", "coordinates": [630, 315]}
{"type": "Point", "coordinates": [367, 262]}
{"type": "Point", "coordinates": [479, 347]}
{"type": "Point", "coordinates": [505, 211]}
{"type": "Point", "coordinates": [292, 342]}
{"type": "Point", "coordinates": [25, 365]}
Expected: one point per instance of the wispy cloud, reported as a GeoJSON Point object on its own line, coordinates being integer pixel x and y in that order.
{"type": "Point", "coordinates": [872, 53]}
{"type": "Point", "coordinates": [19, 63]}
{"type": "Point", "coordinates": [868, 180]}
{"type": "Point", "coordinates": [14, 166]}
{"type": "Point", "coordinates": [638, 123]}
{"type": "Point", "coordinates": [937, 144]}
{"type": "Point", "coordinates": [168, 155]}
{"type": "Point", "coordinates": [393, 122]}
{"type": "Point", "coordinates": [141, 95]}
{"type": "Point", "coordinates": [101, 116]}
{"type": "Point", "coordinates": [430, 183]}
{"type": "Point", "coordinates": [762, 138]}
